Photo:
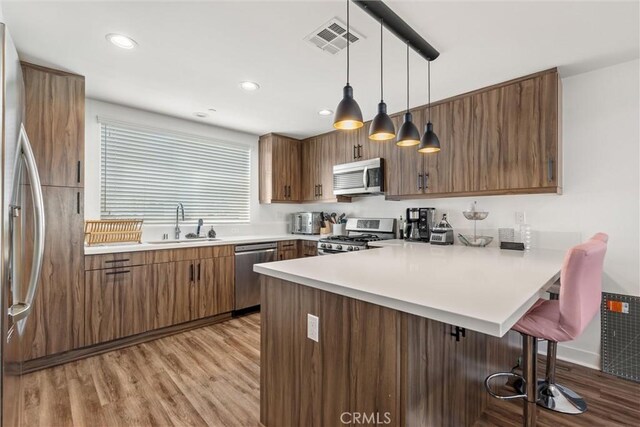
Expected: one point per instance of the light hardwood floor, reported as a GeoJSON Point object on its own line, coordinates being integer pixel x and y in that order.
{"type": "Point", "coordinates": [211, 376]}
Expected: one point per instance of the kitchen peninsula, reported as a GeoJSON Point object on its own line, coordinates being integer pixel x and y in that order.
{"type": "Point", "coordinates": [406, 333]}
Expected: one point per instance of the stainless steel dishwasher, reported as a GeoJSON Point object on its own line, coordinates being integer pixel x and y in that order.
{"type": "Point", "coordinates": [247, 281]}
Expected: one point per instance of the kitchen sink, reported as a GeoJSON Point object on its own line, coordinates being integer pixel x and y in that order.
{"type": "Point", "coordinates": [172, 241]}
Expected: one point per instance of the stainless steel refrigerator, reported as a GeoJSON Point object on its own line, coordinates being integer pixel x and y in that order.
{"type": "Point", "coordinates": [22, 218]}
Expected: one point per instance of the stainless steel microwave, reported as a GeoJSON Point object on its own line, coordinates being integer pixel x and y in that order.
{"type": "Point", "coordinates": [305, 223]}
{"type": "Point", "coordinates": [359, 178]}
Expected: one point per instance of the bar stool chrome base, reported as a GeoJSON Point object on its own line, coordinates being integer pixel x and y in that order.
{"type": "Point", "coordinates": [560, 399]}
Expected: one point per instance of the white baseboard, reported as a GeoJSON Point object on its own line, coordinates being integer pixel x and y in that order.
{"type": "Point", "coordinates": [574, 355]}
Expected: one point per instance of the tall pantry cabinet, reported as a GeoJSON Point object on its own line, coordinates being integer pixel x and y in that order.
{"type": "Point", "coordinates": [54, 120]}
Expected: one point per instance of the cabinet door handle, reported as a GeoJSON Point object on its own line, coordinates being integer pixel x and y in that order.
{"type": "Point", "coordinates": [78, 203]}
{"type": "Point", "coordinates": [317, 190]}
{"type": "Point", "coordinates": [355, 155]}
{"type": "Point", "coordinates": [111, 261]}
{"type": "Point", "coordinates": [359, 151]}
{"type": "Point", "coordinates": [199, 272]}
{"type": "Point", "coordinates": [419, 181]}
{"type": "Point", "coordinates": [321, 190]}
{"type": "Point", "coordinates": [191, 273]}
{"type": "Point", "coordinates": [79, 171]}
{"type": "Point", "coordinates": [550, 170]}
{"type": "Point", "coordinates": [425, 181]}
{"type": "Point", "coordinates": [110, 273]}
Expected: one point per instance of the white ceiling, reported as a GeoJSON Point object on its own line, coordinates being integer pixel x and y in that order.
{"type": "Point", "coordinates": [191, 56]}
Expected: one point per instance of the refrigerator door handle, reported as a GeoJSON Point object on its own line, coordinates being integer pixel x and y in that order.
{"type": "Point", "coordinates": [21, 310]}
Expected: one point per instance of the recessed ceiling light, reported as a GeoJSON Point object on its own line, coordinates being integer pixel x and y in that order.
{"type": "Point", "coordinates": [249, 86]}
{"type": "Point", "coordinates": [200, 114]}
{"type": "Point", "coordinates": [121, 41]}
{"type": "Point", "coordinates": [325, 112]}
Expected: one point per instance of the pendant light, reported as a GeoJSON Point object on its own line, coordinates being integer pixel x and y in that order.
{"type": "Point", "coordinates": [348, 114]}
{"type": "Point", "coordinates": [381, 128]}
{"type": "Point", "coordinates": [429, 142]}
{"type": "Point", "coordinates": [408, 135]}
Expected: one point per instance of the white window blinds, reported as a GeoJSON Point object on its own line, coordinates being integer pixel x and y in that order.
{"type": "Point", "coordinates": [145, 173]}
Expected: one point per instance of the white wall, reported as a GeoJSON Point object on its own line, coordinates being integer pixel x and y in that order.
{"type": "Point", "coordinates": [265, 219]}
{"type": "Point", "coordinates": [601, 137]}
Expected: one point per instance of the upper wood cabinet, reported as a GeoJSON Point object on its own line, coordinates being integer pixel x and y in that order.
{"type": "Point", "coordinates": [319, 154]}
{"type": "Point", "coordinates": [515, 136]}
{"type": "Point", "coordinates": [504, 139]}
{"type": "Point", "coordinates": [279, 166]}
{"type": "Point", "coordinates": [54, 121]}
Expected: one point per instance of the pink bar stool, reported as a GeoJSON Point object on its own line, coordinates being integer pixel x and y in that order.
{"type": "Point", "coordinates": [559, 320]}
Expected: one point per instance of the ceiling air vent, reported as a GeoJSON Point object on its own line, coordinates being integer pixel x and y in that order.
{"type": "Point", "coordinates": [332, 36]}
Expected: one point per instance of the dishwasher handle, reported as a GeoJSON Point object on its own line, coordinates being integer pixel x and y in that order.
{"type": "Point", "coordinates": [256, 251]}
{"type": "Point", "coordinates": [256, 247]}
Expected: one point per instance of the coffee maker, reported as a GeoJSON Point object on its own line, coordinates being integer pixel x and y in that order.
{"type": "Point", "coordinates": [419, 223]}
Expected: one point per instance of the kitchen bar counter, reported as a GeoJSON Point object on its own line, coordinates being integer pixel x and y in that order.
{"type": "Point", "coordinates": [400, 335]}
{"type": "Point", "coordinates": [185, 243]}
{"type": "Point", "coordinates": [482, 289]}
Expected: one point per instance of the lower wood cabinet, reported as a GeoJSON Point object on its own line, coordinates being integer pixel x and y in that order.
{"type": "Point", "coordinates": [287, 249]}
{"type": "Point", "coordinates": [216, 289]}
{"type": "Point", "coordinates": [171, 301]}
{"type": "Point", "coordinates": [173, 287]}
{"type": "Point", "coordinates": [117, 303]}
{"type": "Point", "coordinates": [308, 248]}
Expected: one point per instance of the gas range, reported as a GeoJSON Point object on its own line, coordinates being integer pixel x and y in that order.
{"type": "Point", "coordinates": [360, 231]}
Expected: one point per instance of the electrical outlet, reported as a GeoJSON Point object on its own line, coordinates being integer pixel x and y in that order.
{"type": "Point", "coordinates": [313, 327]}
{"type": "Point", "coordinates": [521, 218]}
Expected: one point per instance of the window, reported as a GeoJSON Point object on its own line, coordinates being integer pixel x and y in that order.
{"type": "Point", "coordinates": [145, 173]}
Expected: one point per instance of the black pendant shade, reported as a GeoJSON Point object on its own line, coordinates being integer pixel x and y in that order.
{"type": "Point", "coordinates": [382, 128]}
{"type": "Point", "coordinates": [429, 142]}
{"type": "Point", "coordinates": [348, 114]}
{"type": "Point", "coordinates": [408, 135]}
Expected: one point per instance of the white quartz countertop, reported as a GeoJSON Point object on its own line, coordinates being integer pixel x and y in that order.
{"type": "Point", "coordinates": [483, 289]}
{"type": "Point", "coordinates": [185, 243]}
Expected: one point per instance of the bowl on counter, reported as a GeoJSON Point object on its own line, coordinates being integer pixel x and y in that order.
{"type": "Point", "coordinates": [475, 215]}
{"type": "Point", "coordinates": [478, 241]}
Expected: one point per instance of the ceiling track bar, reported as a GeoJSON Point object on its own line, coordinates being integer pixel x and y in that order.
{"type": "Point", "coordinates": [380, 11]}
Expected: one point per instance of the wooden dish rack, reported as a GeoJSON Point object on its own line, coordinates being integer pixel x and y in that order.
{"type": "Point", "coordinates": [110, 231]}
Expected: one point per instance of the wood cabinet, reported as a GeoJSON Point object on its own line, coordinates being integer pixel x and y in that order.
{"type": "Point", "coordinates": [216, 288]}
{"type": "Point", "coordinates": [355, 145]}
{"type": "Point", "coordinates": [403, 369]}
{"type": "Point", "coordinates": [307, 248]}
{"type": "Point", "coordinates": [185, 284]}
{"type": "Point", "coordinates": [56, 322]}
{"type": "Point", "coordinates": [287, 249]}
{"type": "Point", "coordinates": [448, 171]}
{"type": "Point", "coordinates": [319, 154]}
{"type": "Point", "coordinates": [117, 303]}
{"type": "Point", "coordinates": [279, 169]}
{"type": "Point", "coordinates": [54, 121]}
{"type": "Point", "coordinates": [172, 301]}
{"type": "Point", "coordinates": [166, 288]}
{"type": "Point", "coordinates": [515, 135]}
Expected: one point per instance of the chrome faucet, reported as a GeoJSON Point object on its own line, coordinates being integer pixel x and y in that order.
{"type": "Point", "coordinates": [178, 208]}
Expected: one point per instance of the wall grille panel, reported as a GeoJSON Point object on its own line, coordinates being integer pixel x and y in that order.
{"type": "Point", "coordinates": [621, 335]}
